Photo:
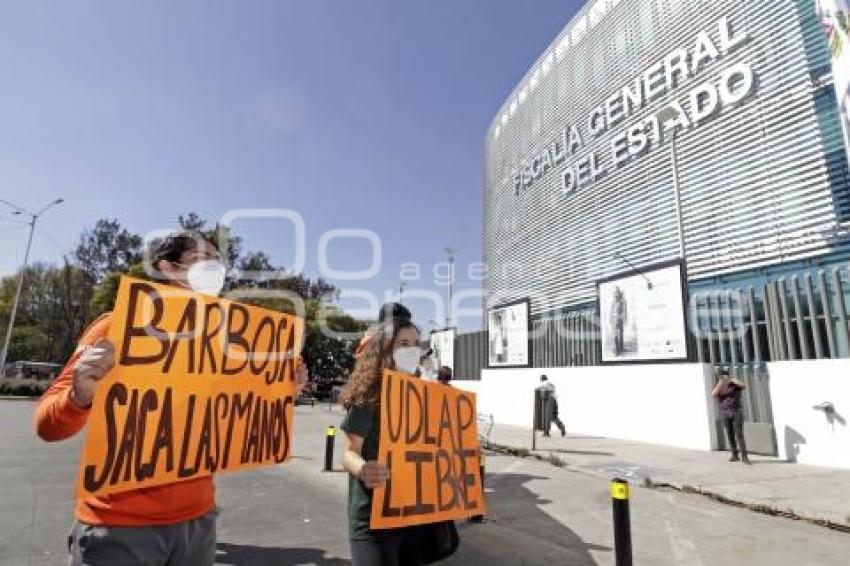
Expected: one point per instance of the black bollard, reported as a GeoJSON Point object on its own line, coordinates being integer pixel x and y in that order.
{"type": "Point", "coordinates": [622, 522]}
{"type": "Point", "coordinates": [481, 467]}
{"type": "Point", "coordinates": [330, 432]}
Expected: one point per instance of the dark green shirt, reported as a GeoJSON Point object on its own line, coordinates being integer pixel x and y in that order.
{"type": "Point", "coordinates": [362, 421]}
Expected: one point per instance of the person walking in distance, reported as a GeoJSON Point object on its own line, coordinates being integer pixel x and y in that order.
{"type": "Point", "coordinates": [547, 389]}
{"type": "Point", "coordinates": [728, 391]}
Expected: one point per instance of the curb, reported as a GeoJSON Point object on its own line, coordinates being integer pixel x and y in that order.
{"type": "Point", "coordinates": [17, 398]}
{"type": "Point", "coordinates": [757, 506]}
{"type": "Point", "coordinates": [813, 518]}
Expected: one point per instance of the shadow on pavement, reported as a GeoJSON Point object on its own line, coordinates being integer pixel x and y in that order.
{"type": "Point", "coordinates": [249, 555]}
{"type": "Point", "coordinates": [519, 531]}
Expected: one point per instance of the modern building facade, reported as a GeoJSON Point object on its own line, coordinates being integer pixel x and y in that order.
{"type": "Point", "coordinates": [652, 130]}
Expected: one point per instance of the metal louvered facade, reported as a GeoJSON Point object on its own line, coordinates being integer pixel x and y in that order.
{"type": "Point", "coordinates": [763, 182]}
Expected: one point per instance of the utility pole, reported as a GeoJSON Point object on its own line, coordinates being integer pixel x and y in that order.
{"type": "Point", "coordinates": [33, 219]}
{"type": "Point", "coordinates": [451, 255]}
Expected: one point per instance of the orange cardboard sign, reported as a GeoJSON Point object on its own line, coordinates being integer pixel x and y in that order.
{"type": "Point", "coordinates": [429, 442]}
{"type": "Point", "coordinates": [200, 385]}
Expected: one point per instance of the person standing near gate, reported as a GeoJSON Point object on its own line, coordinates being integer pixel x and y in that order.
{"type": "Point", "coordinates": [547, 389]}
{"type": "Point", "coordinates": [728, 391]}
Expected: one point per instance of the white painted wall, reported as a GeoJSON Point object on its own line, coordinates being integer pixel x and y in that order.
{"type": "Point", "coordinates": [796, 387]}
{"type": "Point", "coordinates": [660, 404]}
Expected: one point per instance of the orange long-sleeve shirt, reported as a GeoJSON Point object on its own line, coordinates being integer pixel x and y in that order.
{"type": "Point", "coordinates": [57, 417]}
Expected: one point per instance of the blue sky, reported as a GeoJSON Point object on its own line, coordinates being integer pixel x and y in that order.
{"type": "Point", "coordinates": [367, 115]}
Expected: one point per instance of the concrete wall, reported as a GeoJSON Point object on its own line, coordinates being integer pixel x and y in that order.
{"type": "Point", "coordinates": [804, 434]}
{"type": "Point", "coordinates": [661, 404]}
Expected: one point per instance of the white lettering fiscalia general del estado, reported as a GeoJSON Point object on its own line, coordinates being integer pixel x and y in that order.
{"type": "Point", "coordinates": [734, 84]}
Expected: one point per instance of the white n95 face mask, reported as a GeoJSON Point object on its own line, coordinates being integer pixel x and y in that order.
{"type": "Point", "coordinates": [207, 276]}
{"type": "Point", "coordinates": [407, 359]}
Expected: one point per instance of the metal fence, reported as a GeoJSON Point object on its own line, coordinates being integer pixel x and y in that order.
{"type": "Point", "coordinates": [470, 355]}
{"type": "Point", "coordinates": [568, 339]}
{"type": "Point", "coordinates": [798, 318]}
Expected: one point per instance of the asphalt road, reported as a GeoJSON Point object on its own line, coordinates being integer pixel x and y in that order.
{"type": "Point", "coordinates": [295, 514]}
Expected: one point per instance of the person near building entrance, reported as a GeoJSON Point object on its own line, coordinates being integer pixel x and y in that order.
{"type": "Point", "coordinates": [728, 391]}
{"type": "Point", "coordinates": [548, 390]}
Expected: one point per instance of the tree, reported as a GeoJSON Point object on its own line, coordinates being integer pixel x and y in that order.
{"type": "Point", "coordinates": [107, 248]}
{"type": "Point", "coordinates": [256, 271]}
{"type": "Point", "coordinates": [191, 221]}
{"type": "Point", "coordinates": [329, 357]}
{"type": "Point", "coordinates": [222, 236]}
{"type": "Point", "coordinates": [52, 312]}
{"type": "Point", "coordinates": [105, 292]}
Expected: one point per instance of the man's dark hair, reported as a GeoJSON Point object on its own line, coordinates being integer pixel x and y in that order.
{"type": "Point", "coordinates": [394, 311]}
{"type": "Point", "coordinates": [172, 246]}
{"type": "Point", "coordinates": [543, 377]}
{"type": "Point", "coordinates": [723, 372]}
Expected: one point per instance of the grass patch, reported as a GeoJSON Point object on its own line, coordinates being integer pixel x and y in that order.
{"type": "Point", "coordinates": [549, 458]}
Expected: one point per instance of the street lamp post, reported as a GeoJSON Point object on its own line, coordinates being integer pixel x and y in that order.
{"type": "Point", "coordinates": [33, 219]}
{"type": "Point", "coordinates": [663, 116]}
{"type": "Point", "coordinates": [451, 255]}
{"type": "Point", "coordinates": [677, 192]}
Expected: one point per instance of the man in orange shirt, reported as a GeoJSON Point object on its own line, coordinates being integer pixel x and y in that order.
{"type": "Point", "coordinates": [169, 525]}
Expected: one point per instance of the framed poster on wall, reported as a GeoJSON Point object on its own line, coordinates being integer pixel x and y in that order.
{"type": "Point", "coordinates": [642, 315]}
{"type": "Point", "coordinates": [508, 331]}
{"type": "Point", "coordinates": [442, 343]}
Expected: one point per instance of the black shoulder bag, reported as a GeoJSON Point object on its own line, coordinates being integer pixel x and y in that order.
{"type": "Point", "coordinates": [439, 541]}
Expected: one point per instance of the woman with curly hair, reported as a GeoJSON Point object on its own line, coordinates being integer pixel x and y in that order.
{"type": "Point", "coordinates": [394, 344]}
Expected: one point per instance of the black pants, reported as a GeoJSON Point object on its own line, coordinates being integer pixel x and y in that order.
{"type": "Point", "coordinates": [554, 419]}
{"type": "Point", "coordinates": [400, 548]}
{"type": "Point", "coordinates": [733, 422]}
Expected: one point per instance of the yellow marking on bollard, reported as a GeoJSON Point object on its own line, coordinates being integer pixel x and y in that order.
{"type": "Point", "coordinates": [620, 490]}
{"type": "Point", "coordinates": [330, 431]}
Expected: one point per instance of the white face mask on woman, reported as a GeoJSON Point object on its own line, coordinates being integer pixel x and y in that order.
{"type": "Point", "coordinates": [407, 359]}
{"type": "Point", "coordinates": [207, 276]}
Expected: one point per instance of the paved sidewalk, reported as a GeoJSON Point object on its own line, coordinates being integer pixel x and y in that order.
{"type": "Point", "coordinates": [808, 492]}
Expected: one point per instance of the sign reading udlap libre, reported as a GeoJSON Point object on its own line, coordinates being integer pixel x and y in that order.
{"type": "Point", "coordinates": [200, 385]}
{"type": "Point", "coordinates": [429, 443]}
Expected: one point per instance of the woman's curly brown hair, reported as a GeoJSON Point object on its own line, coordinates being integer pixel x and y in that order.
{"type": "Point", "coordinates": [364, 385]}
